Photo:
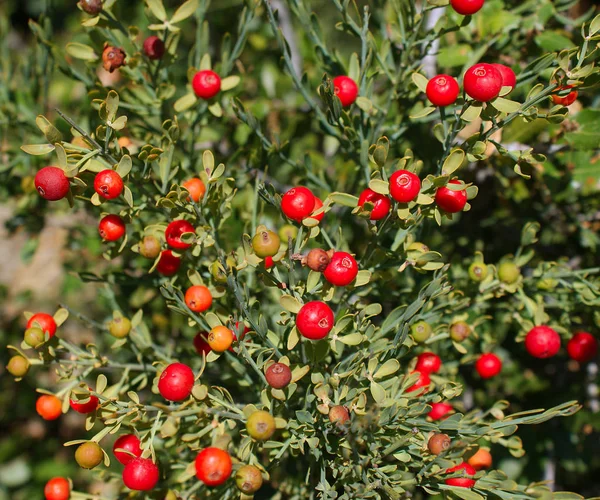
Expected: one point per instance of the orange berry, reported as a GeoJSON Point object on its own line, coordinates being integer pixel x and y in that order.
{"type": "Point", "coordinates": [198, 298]}
{"type": "Point", "coordinates": [481, 460]}
{"type": "Point", "coordinates": [220, 338]}
{"type": "Point", "coordinates": [196, 188]}
{"type": "Point", "coordinates": [49, 407]}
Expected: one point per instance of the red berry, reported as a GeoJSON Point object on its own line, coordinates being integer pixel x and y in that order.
{"type": "Point", "coordinates": [463, 482]}
{"type": "Point", "coordinates": [48, 407]}
{"type": "Point", "coordinates": [52, 183]}
{"type": "Point", "coordinates": [298, 203]}
{"type": "Point", "coordinates": [466, 7]}
{"type": "Point", "coordinates": [404, 186]}
{"type": "Point", "coordinates": [278, 375]}
{"type": "Point", "coordinates": [381, 203]}
{"type": "Point", "coordinates": [451, 201]}
{"type": "Point", "coordinates": [315, 320]}
{"type": "Point", "coordinates": [582, 347]}
{"type": "Point", "coordinates": [422, 382]}
{"type": "Point", "coordinates": [43, 321]}
{"type": "Point", "coordinates": [111, 228]}
{"type": "Point", "coordinates": [206, 84]}
{"type": "Point", "coordinates": [342, 269]}
{"type": "Point", "coordinates": [213, 466]}
{"type": "Point", "coordinates": [346, 89]}
{"type": "Point", "coordinates": [58, 488]}
{"type": "Point", "coordinates": [488, 365]}
{"type": "Point", "coordinates": [129, 443]}
{"type": "Point", "coordinates": [318, 205]}
{"type": "Point", "coordinates": [269, 262]}
{"type": "Point", "coordinates": [154, 47]}
{"type": "Point", "coordinates": [483, 82]}
{"type": "Point", "coordinates": [140, 474]}
{"type": "Point", "coordinates": [566, 100]}
{"type": "Point", "coordinates": [198, 298]}
{"type": "Point", "coordinates": [108, 184]}
{"type": "Point", "coordinates": [440, 411]}
{"type": "Point", "coordinates": [542, 342]}
{"type": "Point", "coordinates": [201, 343]}
{"type": "Point", "coordinates": [168, 264]}
{"type": "Point", "coordinates": [84, 408]}
{"type": "Point", "coordinates": [428, 362]}
{"type": "Point", "coordinates": [442, 90]}
{"type": "Point", "coordinates": [509, 79]}
{"type": "Point", "coordinates": [176, 382]}
{"type": "Point", "coordinates": [174, 232]}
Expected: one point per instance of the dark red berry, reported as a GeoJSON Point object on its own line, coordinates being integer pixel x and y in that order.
{"type": "Point", "coordinates": [346, 89]}
{"type": "Point", "coordinates": [381, 203]}
{"type": "Point", "coordinates": [440, 411]}
{"type": "Point", "coordinates": [509, 79]}
{"type": "Point", "coordinates": [428, 362]}
{"type": "Point", "coordinates": [174, 232]}
{"type": "Point", "coordinates": [298, 203]}
{"type": "Point", "coordinates": [168, 263]}
{"type": "Point", "coordinates": [213, 466]}
{"type": "Point", "coordinates": [542, 342]}
{"type": "Point", "coordinates": [201, 343]}
{"type": "Point", "coordinates": [141, 474]}
{"type": "Point", "coordinates": [404, 186]}
{"type": "Point", "coordinates": [442, 90]}
{"type": "Point", "coordinates": [342, 269]}
{"type": "Point", "coordinates": [451, 201]}
{"type": "Point", "coordinates": [463, 482]}
{"type": "Point", "coordinates": [582, 347]}
{"type": "Point", "coordinates": [488, 365]}
{"type": "Point", "coordinates": [206, 84]}
{"type": "Point", "coordinates": [278, 375]}
{"type": "Point", "coordinates": [131, 444]}
{"type": "Point", "coordinates": [52, 183]}
{"type": "Point", "coordinates": [176, 382]}
{"type": "Point", "coordinates": [154, 47]}
{"type": "Point", "coordinates": [466, 7]}
{"type": "Point", "coordinates": [111, 228]}
{"type": "Point", "coordinates": [108, 184]}
{"type": "Point", "coordinates": [483, 82]}
{"type": "Point", "coordinates": [315, 320]}
{"type": "Point", "coordinates": [43, 321]}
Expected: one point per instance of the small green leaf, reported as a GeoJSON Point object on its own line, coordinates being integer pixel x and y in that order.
{"type": "Point", "coordinates": [293, 339]}
{"type": "Point", "coordinates": [505, 105]}
{"type": "Point", "coordinates": [124, 166]}
{"type": "Point", "coordinates": [380, 186]}
{"type": "Point", "coordinates": [208, 162]}
{"type": "Point", "coordinates": [229, 83]}
{"type": "Point", "coordinates": [156, 7]}
{"type": "Point", "coordinates": [420, 81]}
{"type": "Point", "coordinates": [344, 199]}
{"type": "Point", "coordinates": [390, 367]}
{"type": "Point", "coordinates": [472, 112]}
{"type": "Point", "coordinates": [351, 339]}
{"type": "Point", "coordinates": [354, 68]}
{"type": "Point", "coordinates": [453, 162]}
{"type": "Point", "coordinates": [216, 110]}
{"type": "Point", "coordinates": [364, 103]}
{"type": "Point", "coordinates": [378, 392]}
{"type": "Point", "coordinates": [112, 105]}
{"type": "Point", "coordinates": [186, 102]}
{"type": "Point", "coordinates": [81, 51]}
{"type": "Point", "coordinates": [427, 110]}
{"type": "Point", "coordinates": [37, 149]}
{"type": "Point", "coordinates": [289, 303]}
{"type": "Point", "coordinates": [119, 124]}
{"type": "Point", "coordinates": [184, 11]}
{"type": "Point", "coordinates": [595, 25]}
{"type": "Point", "coordinates": [362, 278]}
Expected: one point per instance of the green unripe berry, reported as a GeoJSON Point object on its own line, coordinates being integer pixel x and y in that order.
{"type": "Point", "coordinates": [509, 272]}
{"type": "Point", "coordinates": [260, 425]}
{"type": "Point", "coordinates": [459, 331]}
{"type": "Point", "coordinates": [288, 231]}
{"type": "Point", "coordinates": [34, 337]}
{"type": "Point", "coordinates": [417, 246]}
{"type": "Point", "coordinates": [248, 479]}
{"type": "Point", "coordinates": [547, 284]}
{"type": "Point", "coordinates": [89, 455]}
{"type": "Point", "coordinates": [421, 331]}
{"type": "Point", "coordinates": [119, 327]}
{"type": "Point", "coordinates": [18, 366]}
{"type": "Point", "coordinates": [478, 271]}
{"type": "Point", "coordinates": [149, 247]}
{"type": "Point", "coordinates": [265, 243]}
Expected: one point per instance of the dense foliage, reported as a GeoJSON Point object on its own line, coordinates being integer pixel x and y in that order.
{"type": "Point", "coordinates": [272, 250]}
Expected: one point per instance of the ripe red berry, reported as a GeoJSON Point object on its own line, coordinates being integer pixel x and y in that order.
{"type": "Point", "coordinates": [52, 183]}
{"type": "Point", "coordinates": [466, 7]}
{"type": "Point", "coordinates": [174, 232]}
{"type": "Point", "coordinates": [111, 228]}
{"type": "Point", "coordinates": [130, 443]}
{"type": "Point", "coordinates": [451, 201]}
{"type": "Point", "coordinates": [154, 47]}
{"type": "Point", "coordinates": [346, 89]}
{"type": "Point", "coordinates": [198, 298]}
{"type": "Point", "coordinates": [566, 100]}
{"type": "Point", "coordinates": [442, 90]}
{"type": "Point", "coordinates": [141, 474]}
{"type": "Point", "coordinates": [428, 362]}
{"type": "Point", "coordinates": [440, 411]}
{"type": "Point", "coordinates": [542, 342]}
{"type": "Point", "coordinates": [509, 79]}
{"type": "Point", "coordinates": [488, 365]}
{"type": "Point", "coordinates": [84, 408]}
{"type": "Point", "coordinates": [206, 84]}
{"type": "Point", "coordinates": [268, 263]}
{"type": "Point", "coordinates": [58, 488]}
{"type": "Point", "coordinates": [168, 263]}
{"type": "Point", "coordinates": [381, 203]}
{"type": "Point", "coordinates": [48, 407]}
{"type": "Point", "coordinates": [298, 203]}
{"type": "Point", "coordinates": [318, 205]}
{"type": "Point", "coordinates": [43, 321]}
{"type": "Point", "coordinates": [108, 184]}
{"type": "Point", "coordinates": [201, 343]}
{"type": "Point", "coordinates": [342, 269]}
{"type": "Point", "coordinates": [176, 382]}
{"type": "Point", "coordinates": [278, 375]}
{"type": "Point", "coordinates": [582, 347]}
{"type": "Point", "coordinates": [422, 383]}
{"type": "Point", "coordinates": [463, 482]}
{"type": "Point", "coordinates": [483, 82]}
{"type": "Point", "coordinates": [213, 466]}
{"type": "Point", "coordinates": [315, 320]}
{"type": "Point", "coordinates": [404, 186]}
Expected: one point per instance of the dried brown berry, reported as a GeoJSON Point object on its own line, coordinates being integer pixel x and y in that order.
{"type": "Point", "coordinates": [92, 7]}
{"type": "Point", "coordinates": [149, 247]}
{"type": "Point", "coordinates": [438, 443]}
{"type": "Point", "coordinates": [113, 58]}
{"type": "Point", "coordinates": [459, 331]}
{"type": "Point", "coordinates": [278, 375]}
{"type": "Point", "coordinates": [339, 415]}
{"type": "Point", "coordinates": [317, 259]}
